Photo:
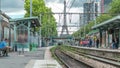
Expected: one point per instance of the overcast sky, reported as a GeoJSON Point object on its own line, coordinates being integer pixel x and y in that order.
{"type": "Point", "coordinates": [15, 8]}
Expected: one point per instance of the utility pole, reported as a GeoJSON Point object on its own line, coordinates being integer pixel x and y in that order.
{"type": "Point", "coordinates": [64, 27]}
{"type": "Point", "coordinates": [30, 8]}
{"type": "Point", "coordinates": [40, 30]}
{"type": "Point", "coordinates": [80, 23]}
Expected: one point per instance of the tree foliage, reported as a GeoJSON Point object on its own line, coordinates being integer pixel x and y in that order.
{"type": "Point", "coordinates": [47, 20]}
{"type": "Point", "coordinates": [115, 7]}
{"type": "Point", "coordinates": [87, 28]}
{"type": "Point", "coordinates": [114, 10]}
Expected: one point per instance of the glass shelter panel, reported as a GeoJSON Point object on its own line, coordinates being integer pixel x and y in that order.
{"type": "Point", "coordinates": [22, 37]}
{"type": "Point", "coordinates": [22, 34]}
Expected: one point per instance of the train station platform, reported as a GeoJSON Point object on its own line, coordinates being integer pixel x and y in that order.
{"type": "Point", "coordinates": [47, 62]}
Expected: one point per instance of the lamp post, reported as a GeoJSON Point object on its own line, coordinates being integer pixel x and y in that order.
{"type": "Point", "coordinates": [30, 8]}
{"type": "Point", "coordinates": [40, 31]}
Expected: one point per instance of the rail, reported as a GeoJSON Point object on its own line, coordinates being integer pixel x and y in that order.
{"type": "Point", "coordinates": [69, 61]}
{"type": "Point", "coordinates": [107, 60]}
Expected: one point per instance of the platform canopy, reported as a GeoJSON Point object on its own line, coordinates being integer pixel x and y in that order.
{"type": "Point", "coordinates": [33, 20]}
{"type": "Point", "coordinates": [109, 24]}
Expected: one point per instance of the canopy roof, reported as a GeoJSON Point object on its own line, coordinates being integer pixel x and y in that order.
{"type": "Point", "coordinates": [93, 32]}
{"type": "Point", "coordinates": [33, 20]}
{"type": "Point", "coordinates": [109, 24]}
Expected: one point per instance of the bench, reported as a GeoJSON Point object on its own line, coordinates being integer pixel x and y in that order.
{"type": "Point", "coordinates": [3, 50]}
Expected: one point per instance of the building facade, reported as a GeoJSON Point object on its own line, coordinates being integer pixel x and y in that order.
{"type": "Point", "coordinates": [105, 5]}
{"type": "Point", "coordinates": [5, 29]}
{"type": "Point", "coordinates": [91, 11]}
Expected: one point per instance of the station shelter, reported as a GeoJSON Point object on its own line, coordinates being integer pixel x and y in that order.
{"type": "Point", "coordinates": [108, 30]}
{"type": "Point", "coordinates": [25, 35]}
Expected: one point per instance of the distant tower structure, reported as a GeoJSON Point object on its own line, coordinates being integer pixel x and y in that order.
{"type": "Point", "coordinates": [64, 27]}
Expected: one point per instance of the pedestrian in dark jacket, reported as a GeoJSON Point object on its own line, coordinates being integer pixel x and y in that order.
{"type": "Point", "coordinates": [113, 44]}
{"type": "Point", "coordinates": [97, 43]}
{"type": "Point", "coordinates": [117, 42]}
{"type": "Point", "coordinates": [90, 42]}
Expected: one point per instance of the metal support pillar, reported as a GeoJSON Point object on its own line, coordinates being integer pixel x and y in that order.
{"type": "Point", "coordinates": [108, 39]}
{"type": "Point", "coordinates": [15, 33]}
{"type": "Point", "coordinates": [84, 31]}
{"type": "Point", "coordinates": [119, 38]}
{"type": "Point", "coordinates": [100, 38]}
{"type": "Point", "coordinates": [15, 41]}
{"type": "Point", "coordinates": [113, 34]}
{"type": "Point", "coordinates": [105, 39]}
{"type": "Point", "coordinates": [29, 23]}
{"type": "Point", "coordinates": [10, 35]}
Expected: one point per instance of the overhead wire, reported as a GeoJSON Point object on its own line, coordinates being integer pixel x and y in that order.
{"type": "Point", "coordinates": [71, 5]}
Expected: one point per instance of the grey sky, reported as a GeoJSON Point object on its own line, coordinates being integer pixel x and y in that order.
{"type": "Point", "coordinates": [16, 7]}
{"type": "Point", "coordinates": [58, 1]}
{"type": "Point", "coordinates": [12, 5]}
{"type": "Point", "coordinates": [76, 3]}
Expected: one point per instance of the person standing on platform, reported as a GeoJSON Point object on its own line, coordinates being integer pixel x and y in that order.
{"type": "Point", "coordinates": [97, 42]}
{"type": "Point", "coordinates": [113, 44]}
{"type": "Point", "coordinates": [90, 42]}
{"type": "Point", "coordinates": [117, 42]}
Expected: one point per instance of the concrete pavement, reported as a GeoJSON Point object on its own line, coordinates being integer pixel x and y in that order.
{"type": "Point", "coordinates": [35, 59]}
{"type": "Point", "coordinates": [20, 61]}
{"type": "Point", "coordinates": [47, 62]}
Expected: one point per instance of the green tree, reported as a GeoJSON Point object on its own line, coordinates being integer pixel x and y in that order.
{"type": "Point", "coordinates": [47, 20]}
{"type": "Point", "coordinates": [103, 17]}
{"type": "Point", "coordinates": [115, 7]}
{"type": "Point", "coordinates": [100, 19]}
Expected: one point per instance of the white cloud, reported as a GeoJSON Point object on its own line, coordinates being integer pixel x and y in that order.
{"type": "Point", "coordinates": [21, 12]}
{"type": "Point", "coordinates": [56, 7]}
{"type": "Point", "coordinates": [13, 8]}
{"type": "Point", "coordinates": [12, 5]}
{"type": "Point", "coordinates": [16, 14]}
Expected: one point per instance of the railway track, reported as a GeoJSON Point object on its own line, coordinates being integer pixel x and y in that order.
{"type": "Point", "coordinates": [69, 61]}
{"type": "Point", "coordinates": [99, 58]}
{"type": "Point", "coordinates": [106, 60]}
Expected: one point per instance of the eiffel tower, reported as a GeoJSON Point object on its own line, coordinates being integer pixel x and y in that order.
{"type": "Point", "coordinates": [64, 27]}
